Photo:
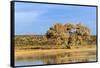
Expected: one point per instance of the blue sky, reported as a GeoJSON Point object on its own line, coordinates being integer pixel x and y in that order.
{"type": "Point", "coordinates": [35, 18]}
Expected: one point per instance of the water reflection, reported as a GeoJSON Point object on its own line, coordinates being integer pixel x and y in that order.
{"type": "Point", "coordinates": [59, 58]}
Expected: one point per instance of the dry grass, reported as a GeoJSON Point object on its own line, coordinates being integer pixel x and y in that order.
{"type": "Point", "coordinates": [33, 53]}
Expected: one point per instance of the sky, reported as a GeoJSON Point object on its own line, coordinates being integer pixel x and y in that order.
{"type": "Point", "coordinates": [37, 18]}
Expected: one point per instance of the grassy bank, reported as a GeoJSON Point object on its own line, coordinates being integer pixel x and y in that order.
{"type": "Point", "coordinates": [37, 53]}
{"type": "Point", "coordinates": [37, 47]}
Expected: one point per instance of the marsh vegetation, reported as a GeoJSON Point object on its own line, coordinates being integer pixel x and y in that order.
{"type": "Point", "coordinates": [62, 43]}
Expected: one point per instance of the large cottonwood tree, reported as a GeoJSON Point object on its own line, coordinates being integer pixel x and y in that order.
{"type": "Point", "coordinates": [68, 34]}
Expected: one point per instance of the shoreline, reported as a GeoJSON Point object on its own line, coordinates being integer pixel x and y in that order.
{"type": "Point", "coordinates": [33, 53]}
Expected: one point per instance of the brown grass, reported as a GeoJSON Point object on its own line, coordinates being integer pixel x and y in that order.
{"type": "Point", "coordinates": [33, 53]}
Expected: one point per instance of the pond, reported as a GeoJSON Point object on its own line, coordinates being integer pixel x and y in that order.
{"type": "Point", "coordinates": [66, 57]}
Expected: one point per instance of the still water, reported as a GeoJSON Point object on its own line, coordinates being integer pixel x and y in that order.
{"type": "Point", "coordinates": [59, 59]}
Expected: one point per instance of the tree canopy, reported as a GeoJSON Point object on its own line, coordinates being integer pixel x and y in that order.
{"type": "Point", "coordinates": [68, 34]}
